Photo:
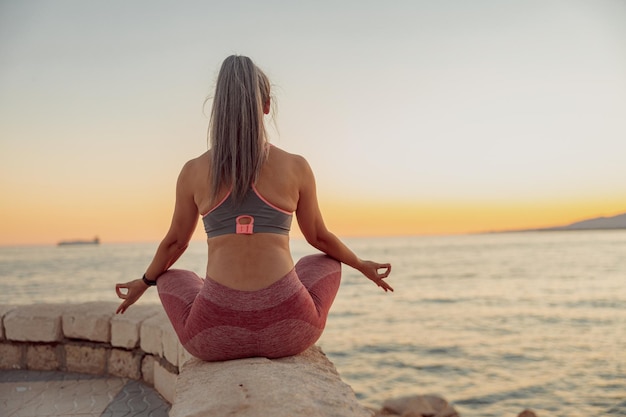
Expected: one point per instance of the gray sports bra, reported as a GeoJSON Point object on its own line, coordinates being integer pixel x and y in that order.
{"type": "Point", "coordinates": [254, 215]}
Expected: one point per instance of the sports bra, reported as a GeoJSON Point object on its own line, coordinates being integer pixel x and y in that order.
{"type": "Point", "coordinates": [254, 215]}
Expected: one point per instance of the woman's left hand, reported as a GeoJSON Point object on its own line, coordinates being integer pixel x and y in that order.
{"type": "Point", "coordinates": [376, 272]}
{"type": "Point", "coordinates": [134, 290]}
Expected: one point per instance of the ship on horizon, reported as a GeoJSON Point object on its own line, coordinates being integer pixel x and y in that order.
{"type": "Point", "coordinates": [94, 241]}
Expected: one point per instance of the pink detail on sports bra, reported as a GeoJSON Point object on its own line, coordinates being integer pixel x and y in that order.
{"type": "Point", "coordinates": [245, 228]}
{"type": "Point", "coordinates": [255, 214]}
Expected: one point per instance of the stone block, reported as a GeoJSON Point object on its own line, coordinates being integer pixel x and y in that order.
{"type": "Point", "coordinates": [165, 382]}
{"type": "Point", "coordinates": [34, 323]}
{"type": "Point", "coordinates": [170, 343]}
{"type": "Point", "coordinates": [183, 356]}
{"type": "Point", "coordinates": [89, 321]}
{"type": "Point", "coordinates": [147, 369]}
{"type": "Point", "coordinates": [417, 405]}
{"type": "Point", "coordinates": [42, 357]}
{"type": "Point", "coordinates": [125, 327]}
{"type": "Point", "coordinates": [4, 309]}
{"type": "Point", "coordinates": [10, 356]}
{"type": "Point", "coordinates": [151, 334]}
{"type": "Point", "coordinates": [304, 385]}
{"type": "Point", "coordinates": [86, 359]}
{"type": "Point", "coordinates": [125, 363]}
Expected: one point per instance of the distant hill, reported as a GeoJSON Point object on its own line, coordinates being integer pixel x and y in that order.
{"type": "Point", "coordinates": [598, 223]}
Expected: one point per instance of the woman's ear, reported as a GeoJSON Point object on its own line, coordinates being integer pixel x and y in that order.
{"type": "Point", "coordinates": [266, 107]}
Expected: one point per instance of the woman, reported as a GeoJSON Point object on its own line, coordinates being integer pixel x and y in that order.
{"type": "Point", "coordinates": [253, 301]}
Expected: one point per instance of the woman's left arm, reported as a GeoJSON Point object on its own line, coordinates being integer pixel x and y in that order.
{"type": "Point", "coordinates": [174, 243]}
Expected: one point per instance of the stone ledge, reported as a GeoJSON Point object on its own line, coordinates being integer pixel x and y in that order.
{"type": "Point", "coordinates": [34, 323]}
{"type": "Point", "coordinates": [141, 344]}
{"type": "Point", "coordinates": [89, 338]}
{"type": "Point", "coordinates": [125, 328]}
{"type": "Point", "coordinates": [304, 385]}
{"type": "Point", "coordinates": [88, 321]}
{"type": "Point", "coordinates": [4, 309]}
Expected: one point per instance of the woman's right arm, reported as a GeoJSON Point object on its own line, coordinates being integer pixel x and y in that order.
{"type": "Point", "coordinates": [315, 232]}
{"type": "Point", "coordinates": [174, 243]}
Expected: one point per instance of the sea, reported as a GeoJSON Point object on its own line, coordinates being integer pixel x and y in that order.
{"type": "Point", "coordinates": [494, 323]}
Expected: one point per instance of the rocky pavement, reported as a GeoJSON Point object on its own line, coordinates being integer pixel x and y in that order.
{"type": "Point", "coordinates": [53, 393]}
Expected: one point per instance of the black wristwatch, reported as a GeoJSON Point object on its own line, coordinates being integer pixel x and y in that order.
{"type": "Point", "coordinates": [147, 281]}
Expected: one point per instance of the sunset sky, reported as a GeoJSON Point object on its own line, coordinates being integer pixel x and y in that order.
{"type": "Point", "coordinates": [418, 117]}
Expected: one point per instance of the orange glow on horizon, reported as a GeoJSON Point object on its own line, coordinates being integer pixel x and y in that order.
{"type": "Point", "coordinates": [438, 218]}
{"type": "Point", "coordinates": [28, 224]}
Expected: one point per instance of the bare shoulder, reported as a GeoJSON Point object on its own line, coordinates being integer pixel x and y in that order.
{"type": "Point", "coordinates": [194, 165]}
{"type": "Point", "coordinates": [194, 173]}
{"type": "Point", "coordinates": [294, 161]}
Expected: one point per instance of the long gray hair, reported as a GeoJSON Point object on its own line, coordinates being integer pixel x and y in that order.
{"type": "Point", "coordinates": [237, 135]}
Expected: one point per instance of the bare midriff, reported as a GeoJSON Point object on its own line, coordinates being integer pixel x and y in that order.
{"type": "Point", "coordinates": [249, 262]}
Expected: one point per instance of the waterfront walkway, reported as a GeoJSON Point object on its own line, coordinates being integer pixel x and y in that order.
{"type": "Point", "coordinates": [53, 393]}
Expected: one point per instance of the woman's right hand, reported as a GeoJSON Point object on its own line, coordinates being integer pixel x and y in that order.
{"type": "Point", "coordinates": [376, 272]}
{"type": "Point", "coordinates": [130, 292]}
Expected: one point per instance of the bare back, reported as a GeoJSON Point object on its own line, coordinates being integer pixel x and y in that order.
{"type": "Point", "coordinates": [286, 184]}
{"type": "Point", "coordinates": [251, 262]}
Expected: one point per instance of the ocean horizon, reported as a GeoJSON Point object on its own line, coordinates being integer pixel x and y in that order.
{"type": "Point", "coordinates": [495, 322]}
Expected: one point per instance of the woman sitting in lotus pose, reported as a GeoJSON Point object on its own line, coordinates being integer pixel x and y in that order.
{"type": "Point", "coordinates": [253, 301]}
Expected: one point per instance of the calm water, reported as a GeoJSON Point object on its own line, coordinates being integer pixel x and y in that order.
{"type": "Point", "coordinates": [493, 323]}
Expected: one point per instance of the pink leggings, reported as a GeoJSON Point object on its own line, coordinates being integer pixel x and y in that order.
{"type": "Point", "coordinates": [216, 323]}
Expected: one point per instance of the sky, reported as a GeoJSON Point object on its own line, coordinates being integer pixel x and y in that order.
{"type": "Point", "coordinates": [417, 117]}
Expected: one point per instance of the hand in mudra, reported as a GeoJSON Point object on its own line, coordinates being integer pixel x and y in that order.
{"type": "Point", "coordinates": [130, 292]}
{"type": "Point", "coordinates": [377, 273]}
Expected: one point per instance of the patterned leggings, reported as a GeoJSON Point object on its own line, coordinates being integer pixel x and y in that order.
{"type": "Point", "coordinates": [216, 323]}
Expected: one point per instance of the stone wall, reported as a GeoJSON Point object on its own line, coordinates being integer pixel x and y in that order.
{"type": "Point", "coordinates": [141, 344]}
{"type": "Point", "coordinates": [90, 338]}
